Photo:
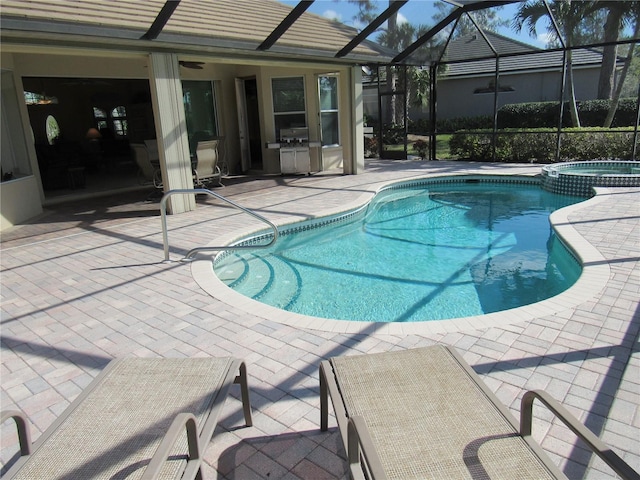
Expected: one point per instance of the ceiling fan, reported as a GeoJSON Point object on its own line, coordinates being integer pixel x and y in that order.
{"type": "Point", "coordinates": [193, 65]}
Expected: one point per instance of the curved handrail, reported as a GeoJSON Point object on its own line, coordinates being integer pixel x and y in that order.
{"type": "Point", "coordinates": [193, 251]}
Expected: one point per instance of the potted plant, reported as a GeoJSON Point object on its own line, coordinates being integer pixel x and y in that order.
{"type": "Point", "coordinates": [421, 147]}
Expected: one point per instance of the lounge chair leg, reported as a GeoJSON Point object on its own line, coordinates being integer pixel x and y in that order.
{"type": "Point", "coordinates": [324, 401]}
{"type": "Point", "coordinates": [182, 422]}
{"type": "Point", "coordinates": [244, 389]}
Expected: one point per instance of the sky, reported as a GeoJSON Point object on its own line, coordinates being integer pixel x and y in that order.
{"type": "Point", "coordinates": [418, 12]}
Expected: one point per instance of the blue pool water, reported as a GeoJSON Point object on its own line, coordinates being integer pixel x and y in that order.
{"type": "Point", "coordinates": [428, 252]}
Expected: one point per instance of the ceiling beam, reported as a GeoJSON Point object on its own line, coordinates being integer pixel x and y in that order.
{"type": "Point", "coordinates": [372, 27]}
{"type": "Point", "coordinates": [470, 7]}
{"type": "Point", "coordinates": [294, 14]}
{"type": "Point", "coordinates": [161, 20]}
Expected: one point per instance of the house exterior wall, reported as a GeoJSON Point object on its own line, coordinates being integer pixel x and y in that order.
{"type": "Point", "coordinates": [456, 97]}
{"type": "Point", "coordinates": [20, 198]}
{"type": "Point", "coordinates": [67, 63]}
{"type": "Point", "coordinates": [321, 158]}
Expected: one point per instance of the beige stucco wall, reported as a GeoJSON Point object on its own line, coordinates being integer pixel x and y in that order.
{"type": "Point", "coordinates": [324, 158]}
{"type": "Point", "coordinates": [45, 61]}
{"type": "Point", "coordinates": [20, 198]}
{"type": "Point", "coordinates": [19, 201]}
{"type": "Point", "coordinates": [225, 74]}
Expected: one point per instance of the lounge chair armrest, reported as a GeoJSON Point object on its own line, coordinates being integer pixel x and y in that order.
{"type": "Point", "coordinates": [194, 460]}
{"type": "Point", "coordinates": [598, 446]}
{"type": "Point", "coordinates": [24, 434]}
{"type": "Point", "coordinates": [361, 452]}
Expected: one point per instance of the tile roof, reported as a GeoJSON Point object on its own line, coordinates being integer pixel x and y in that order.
{"type": "Point", "coordinates": [240, 25]}
{"type": "Point", "coordinates": [473, 46]}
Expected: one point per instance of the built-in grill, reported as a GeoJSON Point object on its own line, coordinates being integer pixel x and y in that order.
{"type": "Point", "coordinates": [294, 148]}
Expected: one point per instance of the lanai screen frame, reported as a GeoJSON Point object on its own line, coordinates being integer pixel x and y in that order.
{"type": "Point", "coordinates": [464, 8]}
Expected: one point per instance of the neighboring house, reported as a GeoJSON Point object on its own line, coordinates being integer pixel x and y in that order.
{"type": "Point", "coordinates": [171, 71]}
{"type": "Point", "coordinates": [465, 88]}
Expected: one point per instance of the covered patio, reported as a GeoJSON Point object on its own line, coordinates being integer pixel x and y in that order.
{"type": "Point", "coordinates": [84, 283]}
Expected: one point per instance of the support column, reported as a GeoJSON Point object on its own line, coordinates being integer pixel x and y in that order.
{"type": "Point", "coordinates": [171, 129]}
{"type": "Point", "coordinates": [356, 165]}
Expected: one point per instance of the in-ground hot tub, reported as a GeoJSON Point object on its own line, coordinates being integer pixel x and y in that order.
{"type": "Point", "coordinates": [579, 178]}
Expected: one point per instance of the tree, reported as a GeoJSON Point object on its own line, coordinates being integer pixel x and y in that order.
{"type": "Point", "coordinates": [623, 75]}
{"type": "Point", "coordinates": [569, 15]}
{"type": "Point", "coordinates": [487, 19]}
{"type": "Point", "coordinates": [366, 14]}
{"type": "Point", "coordinates": [619, 14]}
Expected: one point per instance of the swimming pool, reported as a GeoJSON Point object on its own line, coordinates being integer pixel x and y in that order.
{"type": "Point", "coordinates": [419, 251]}
{"type": "Point", "coordinates": [579, 178]}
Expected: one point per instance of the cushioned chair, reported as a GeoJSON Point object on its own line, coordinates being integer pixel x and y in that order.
{"type": "Point", "coordinates": [140, 418]}
{"type": "Point", "coordinates": [424, 414]}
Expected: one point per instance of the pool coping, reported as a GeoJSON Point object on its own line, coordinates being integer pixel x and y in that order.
{"type": "Point", "coordinates": [592, 281]}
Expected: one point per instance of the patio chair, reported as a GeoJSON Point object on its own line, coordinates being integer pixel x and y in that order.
{"type": "Point", "coordinates": [424, 413]}
{"type": "Point", "coordinates": [140, 418]}
{"type": "Point", "coordinates": [148, 168]}
{"type": "Point", "coordinates": [206, 169]}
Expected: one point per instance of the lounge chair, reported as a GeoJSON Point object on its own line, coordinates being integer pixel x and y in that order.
{"type": "Point", "coordinates": [131, 422]}
{"type": "Point", "coordinates": [424, 413]}
{"type": "Point", "coordinates": [207, 170]}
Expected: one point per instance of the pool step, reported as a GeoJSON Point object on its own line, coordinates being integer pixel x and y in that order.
{"type": "Point", "coordinates": [265, 277]}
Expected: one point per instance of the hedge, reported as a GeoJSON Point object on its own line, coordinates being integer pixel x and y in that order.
{"type": "Point", "coordinates": [539, 145]}
{"type": "Point", "coordinates": [535, 115]}
{"type": "Point", "coordinates": [592, 113]}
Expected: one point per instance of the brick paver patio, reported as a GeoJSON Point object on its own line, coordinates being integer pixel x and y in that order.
{"type": "Point", "coordinates": [86, 283]}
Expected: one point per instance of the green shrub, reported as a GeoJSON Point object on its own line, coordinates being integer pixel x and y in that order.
{"type": "Point", "coordinates": [393, 135]}
{"type": "Point", "coordinates": [592, 113]}
{"type": "Point", "coordinates": [421, 147]}
{"type": "Point", "coordinates": [529, 115]}
{"type": "Point", "coordinates": [616, 143]}
{"type": "Point", "coordinates": [539, 145]}
{"type": "Point", "coordinates": [422, 126]}
{"type": "Point", "coordinates": [370, 147]}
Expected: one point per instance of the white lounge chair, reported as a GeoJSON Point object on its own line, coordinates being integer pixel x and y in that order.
{"type": "Point", "coordinates": [424, 414]}
{"type": "Point", "coordinates": [140, 418]}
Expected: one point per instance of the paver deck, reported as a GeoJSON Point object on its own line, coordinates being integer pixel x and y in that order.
{"type": "Point", "coordinates": [86, 283]}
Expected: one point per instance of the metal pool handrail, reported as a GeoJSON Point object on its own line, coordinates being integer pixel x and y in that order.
{"type": "Point", "coordinates": [193, 251]}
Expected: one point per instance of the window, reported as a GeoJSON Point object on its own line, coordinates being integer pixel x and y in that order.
{"type": "Point", "coordinates": [119, 121]}
{"type": "Point", "coordinates": [100, 117]}
{"type": "Point", "coordinates": [288, 103]}
{"type": "Point", "coordinates": [52, 129]}
{"type": "Point", "coordinates": [201, 111]}
{"type": "Point", "coordinates": [328, 90]}
{"type": "Point", "coordinates": [32, 98]}
{"type": "Point", "coordinates": [117, 118]}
